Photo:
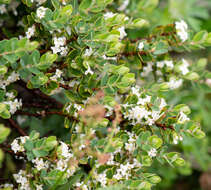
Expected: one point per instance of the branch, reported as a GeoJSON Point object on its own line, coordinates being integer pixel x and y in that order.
{"type": "Point", "coordinates": [164, 126]}
{"type": "Point", "coordinates": [16, 126]}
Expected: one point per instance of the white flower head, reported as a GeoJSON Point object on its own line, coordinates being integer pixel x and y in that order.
{"type": "Point", "coordinates": [3, 9]}
{"type": "Point", "coordinates": [160, 64]}
{"type": "Point", "coordinates": [39, 163]}
{"type": "Point", "coordinates": [174, 83]}
{"type": "Point", "coordinates": [41, 12]}
{"type": "Point", "coordinates": [108, 15]}
{"type": "Point", "coordinates": [89, 71]}
{"type": "Point", "coordinates": [183, 117]}
{"type": "Point", "coordinates": [182, 28]}
{"type": "Point", "coordinates": [152, 152]}
{"type": "Point", "coordinates": [122, 32]}
{"type": "Point", "coordinates": [184, 67]}
{"type": "Point", "coordinates": [30, 32]}
{"type": "Point", "coordinates": [141, 46]}
{"type": "Point", "coordinates": [88, 52]}
{"type": "Point", "coordinates": [16, 147]}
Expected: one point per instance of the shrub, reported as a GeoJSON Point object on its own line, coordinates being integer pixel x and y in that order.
{"type": "Point", "coordinates": [90, 67]}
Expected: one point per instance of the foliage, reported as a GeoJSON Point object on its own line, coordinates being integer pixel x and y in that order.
{"type": "Point", "coordinates": [102, 92]}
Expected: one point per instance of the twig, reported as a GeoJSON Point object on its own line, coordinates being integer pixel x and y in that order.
{"type": "Point", "coordinates": [163, 126]}
{"type": "Point", "coordinates": [16, 126]}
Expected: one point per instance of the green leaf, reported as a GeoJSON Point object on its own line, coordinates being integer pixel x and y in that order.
{"type": "Point", "coordinates": [4, 132]}
{"type": "Point", "coordinates": [50, 143]}
{"type": "Point", "coordinates": [200, 37]}
{"type": "Point", "coordinates": [155, 141]}
{"type": "Point", "coordinates": [192, 76]}
{"type": "Point", "coordinates": [84, 5]}
{"type": "Point", "coordinates": [39, 153]}
{"type": "Point", "coordinates": [4, 112]}
{"type": "Point", "coordinates": [138, 23]}
{"type": "Point", "coordinates": [146, 160]}
{"type": "Point", "coordinates": [3, 69]}
{"type": "Point", "coordinates": [161, 48]}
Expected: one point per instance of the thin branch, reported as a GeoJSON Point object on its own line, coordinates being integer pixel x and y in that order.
{"type": "Point", "coordinates": [164, 126]}
{"type": "Point", "coordinates": [16, 126]}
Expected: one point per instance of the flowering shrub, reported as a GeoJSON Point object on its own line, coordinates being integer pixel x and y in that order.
{"type": "Point", "coordinates": [80, 60]}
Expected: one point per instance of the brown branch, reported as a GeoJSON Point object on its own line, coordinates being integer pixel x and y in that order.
{"type": "Point", "coordinates": [164, 126]}
{"type": "Point", "coordinates": [16, 126]}
{"type": "Point", "coordinates": [37, 105]}
{"type": "Point", "coordinates": [66, 87]}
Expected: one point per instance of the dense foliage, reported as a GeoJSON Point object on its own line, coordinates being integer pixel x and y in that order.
{"type": "Point", "coordinates": [95, 93]}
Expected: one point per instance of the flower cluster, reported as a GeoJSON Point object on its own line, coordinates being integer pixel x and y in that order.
{"type": "Point", "coordinates": [181, 28]}
{"type": "Point", "coordinates": [60, 46]}
{"type": "Point", "coordinates": [140, 113]}
{"type": "Point", "coordinates": [10, 79]}
{"type": "Point", "coordinates": [41, 12]}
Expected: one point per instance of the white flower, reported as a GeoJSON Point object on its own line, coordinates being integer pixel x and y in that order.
{"type": "Point", "coordinates": [174, 83]}
{"type": "Point", "coordinates": [39, 187]}
{"type": "Point", "coordinates": [160, 64]}
{"type": "Point", "coordinates": [152, 152]}
{"type": "Point", "coordinates": [64, 51]}
{"type": "Point", "coordinates": [55, 49]}
{"type": "Point", "coordinates": [101, 178]}
{"type": "Point", "coordinates": [108, 15]}
{"type": "Point", "coordinates": [124, 5]}
{"type": "Point", "coordinates": [141, 46]}
{"type": "Point", "coordinates": [41, 12]}
{"type": "Point", "coordinates": [181, 28]}
{"type": "Point", "coordinates": [58, 42]}
{"type": "Point", "coordinates": [130, 147]}
{"type": "Point", "coordinates": [10, 95]}
{"type": "Point", "coordinates": [182, 117]}
{"type": "Point", "coordinates": [122, 32]}
{"type": "Point", "coordinates": [143, 101]}
{"type": "Point", "coordinates": [65, 152]}
{"type": "Point", "coordinates": [30, 32]}
{"type": "Point", "coordinates": [169, 64]}
{"type": "Point", "coordinates": [177, 138]}
{"type": "Point", "coordinates": [14, 105]}
{"type": "Point", "coordinates": [135, 90]}
{"type": "Point", "coordinates": [57, 75]}
{"type": "Point", "coordinates": [3, 9]}
{"type": "Point", "coordinates": [59, 46]}
{"type": "Point", "coordinates": [62, 165]}
{"type": "Point", "coordinates": [136, 114]}
{"type": "Point", "coordinates": [184, 67]}
{"type": "Point", "coordinates": [88, 52]}
{"type": "Point", "coordinates": [16, 147]}
{"type": "Point", "coordinates": [39, 163]}
{"type": "Point", "coordinates": [89, 71]}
